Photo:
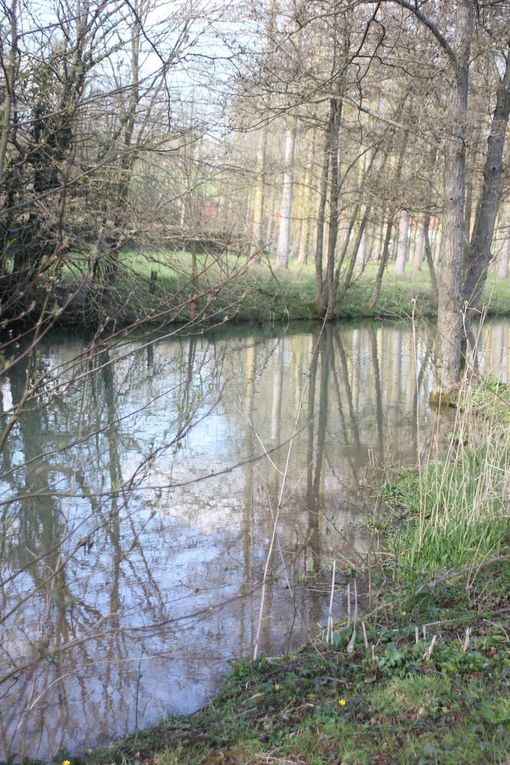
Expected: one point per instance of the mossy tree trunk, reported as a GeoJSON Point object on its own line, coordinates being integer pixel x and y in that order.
{"type": "Point", "coordinates": [450, 326]}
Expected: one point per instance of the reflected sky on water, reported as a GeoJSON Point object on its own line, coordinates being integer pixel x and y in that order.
{"type": "Point", "coordinates": [139, 494]}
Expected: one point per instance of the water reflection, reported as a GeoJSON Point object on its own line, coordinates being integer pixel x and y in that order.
{"type": "Point", "coordinates": [139, 492]}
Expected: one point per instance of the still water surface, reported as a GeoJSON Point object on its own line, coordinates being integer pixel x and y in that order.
{"type": "Point", "coordinates": [141, 493]}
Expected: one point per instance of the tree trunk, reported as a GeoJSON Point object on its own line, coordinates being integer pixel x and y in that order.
{"type": "Point", "coordinates": [419, 245]}
{"type": "Point", "coordinates": [386, 246]}
{"type": "Point", "coordinates": [385, 256]}
{"type": "Point", "coordinates": [257, 232]}
{"type": "Point", "coordinates": [504, 259]}
{"type": "Point", "coordinates": [304, 244]}
{"type": "Point", "coordinates": [350, 269]}
{"type": "Point", "coordinates": [403, 244]}
{"type": "Point", "coordinates": [450, 321]}
{"type": "Point", "coordinates": [359, 265]}
{"type": "Point", "coordinates": [361, 230]}
{"type": "Point", "coordinates": [479, 251]}
{"type": "Point", "coordinates": [328, 297]}
{"type": "Point", "coordinates": [321, 214]}
{"type": "Point", "coordinates": [10, 75]}
{"type": "Point", "coordinates": [428, 256]}
{"type": "Point", "coordinates": [283, 247]}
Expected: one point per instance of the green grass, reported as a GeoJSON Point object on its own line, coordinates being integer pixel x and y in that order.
{"type": "Point", "coordinates": [229, 290]}
{"type": "Point", "coordinates": [497, 294]}
{"type": "Point", "coordinates": [453, 518]}
{"type": "Point", "coordinates": [454, 513]}
{"type": "Point", "coordinates": [264, 292]}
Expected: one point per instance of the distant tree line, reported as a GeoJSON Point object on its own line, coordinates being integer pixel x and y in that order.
{"type": "Point", "coordinates": [331, 132]}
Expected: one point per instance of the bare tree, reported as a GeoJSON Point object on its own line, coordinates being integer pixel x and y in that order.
{"type": "Point", "coordinates": [464, 266]}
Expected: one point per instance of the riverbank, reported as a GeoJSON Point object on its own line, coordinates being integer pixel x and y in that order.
{"type": "Point", "coordinates": [431, 685]}
{"type": "Point", "coordinates": [159, 288]}
{"type": "Point", "coordinates": [424, 675]}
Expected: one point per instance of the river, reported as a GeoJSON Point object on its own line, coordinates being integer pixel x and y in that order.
{"type": "Point", "coordinates": [173, 502]}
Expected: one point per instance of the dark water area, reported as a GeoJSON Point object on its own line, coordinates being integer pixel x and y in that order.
{"type": "Point", "coordinates": [172, 503]}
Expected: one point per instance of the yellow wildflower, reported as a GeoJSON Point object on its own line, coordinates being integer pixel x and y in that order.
{"type": "Point", "coordinates": [277, 687]}
{"type": "Point", "coordinates": [341, 702]}
{"type": "Point", "coordinates": [403, 613]}
{"type": "Point", "coordinates": [66, 762]}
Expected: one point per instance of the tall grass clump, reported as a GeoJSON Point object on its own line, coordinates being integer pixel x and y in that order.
{"type": "Point", "coordinates": [454, 513]}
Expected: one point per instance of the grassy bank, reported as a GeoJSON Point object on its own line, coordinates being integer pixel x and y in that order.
{"type": "Point", "coordinates": [229, 290]}
{"type": "Point", "coordinates": [424, 676]}
{"type": "Point", "coordinates": [454, 513]}
{"type": "Point", "coordinates": [264, 292]}
{"type": "Point", "coordinates": [430, 686]}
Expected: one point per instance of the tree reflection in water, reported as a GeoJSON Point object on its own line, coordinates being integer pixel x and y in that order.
{"type": "Point", "coordinates": [137, 497]}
